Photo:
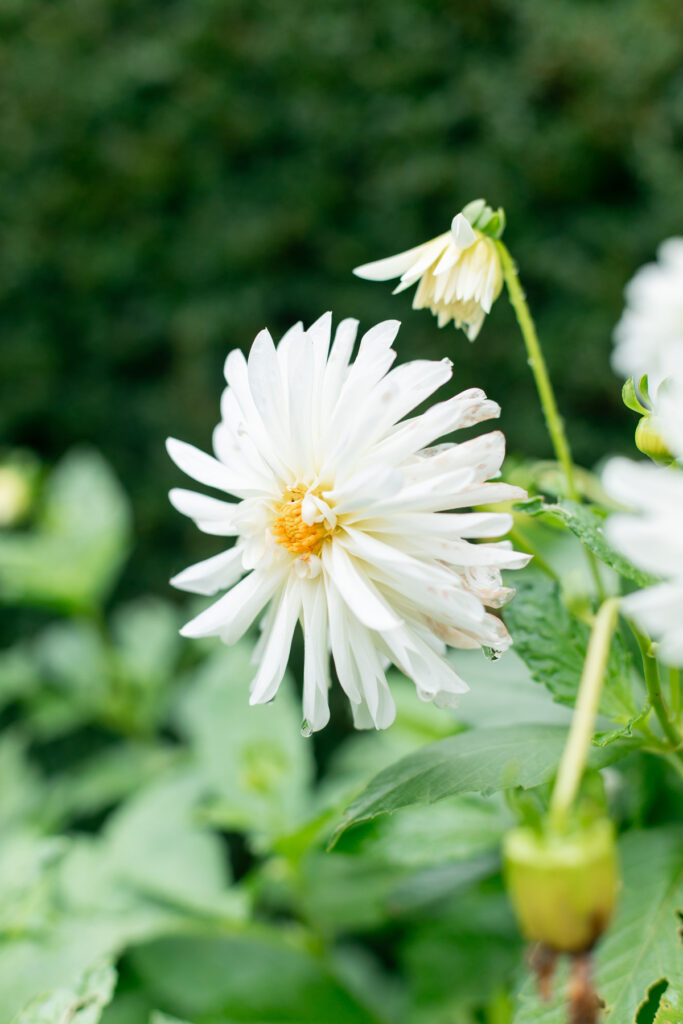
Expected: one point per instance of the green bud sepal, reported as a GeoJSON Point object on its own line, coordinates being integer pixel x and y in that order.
{"type": "Point", "coordinates": [484, 218]}
{"type": "Point", "coordinates": [563, 886]}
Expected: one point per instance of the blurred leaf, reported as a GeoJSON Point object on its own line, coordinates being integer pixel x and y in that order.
{"type": "Point", "coordinates": [106, 778]}
{"type": "Point", "coordinates": [80, 1003]}
{"type": "Point", "coordinates": [254, 760]}
{"type": "Point", "coordinates": [18, 801]}
{"type": "Point", "coordinates": [28, 865]}
{"type": "Point", "coordinates": [153, 854]}
{"type": "Point", "coordinates": [478, 761]}
{"type": "Point", "coordinates": [147, 641]}
{"type": "Point", "coordinates": [643, 945]}
{"type": "Point", "coordinates": [18, 674]}
{"type": "Point", "coordinates": [588, 523]}
{"type": "Point", "coordinates": [72, 557]}
{"type": "Point", "coordinates": [457, 961]}
{"type": "Point", "coordinates": [459, 828]}
{"type": "Point", "coordinates": [553, 644]}
{"type": "Point", "coordinates": [162, 1018]}
{"type": "Point", "coordinates": [254, 977]}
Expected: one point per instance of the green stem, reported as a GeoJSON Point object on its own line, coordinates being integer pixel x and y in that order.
{"type": "Point", "coordinates": [538, 368]}
{"type": "Point", "coordinates": [546, 394]}
{"type": "Point", "coordinates": [522, 542]}
{"type": "Point", "coordinates": [654, 690]}
{"type": "Point", "coordinates": [675, 692]}
{"type": "Point", "coordinates": [576, 750]}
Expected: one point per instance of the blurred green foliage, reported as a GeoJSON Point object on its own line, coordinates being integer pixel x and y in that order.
{"type": "Point", "coordinates": [176, 175]}
{"type": "Point", "coordinates": [169, 854]}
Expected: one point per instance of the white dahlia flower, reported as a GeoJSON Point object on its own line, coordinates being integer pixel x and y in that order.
{"type": "Point", "coordinates": [459, 274]}
{"type": "Point", "coordinates": [346, 521]}
{"type": "Point", "coordinates": [649, 336]}
{"type": "Point", "coordinates": [652, 538]}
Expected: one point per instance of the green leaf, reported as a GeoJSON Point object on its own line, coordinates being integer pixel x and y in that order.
{"type": "Point", "coordinates": [72, 557]}
{"type": "Point", "coordinates": [478, 761]}
{"type": "Point", "coordinates": [643, 945]}
{"type": "Point", "coordinates": [587, 522]}
{"type": "Point", "coordinates": [256, 976]}
{"type": "Point", "coordinates": [459, 959]}
{"type": "Point", "coordinates": [255, 762]}
{"type": "Point", "coordinates": [105, 778]}
{"type": "Point", "coordinates": [79, 1003]}
{"type": "Point", "coordinates": [153, 856]}
{"type": "Point", "coordinates": [162, 1018]}
{"type": "Point", "coordinates": [670, 1008]}
{"type": "Point", "coordinates": [553, 645]}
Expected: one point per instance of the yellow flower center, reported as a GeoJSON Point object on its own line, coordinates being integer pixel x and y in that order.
{"type": "Point", "coordinates": [290, 530]}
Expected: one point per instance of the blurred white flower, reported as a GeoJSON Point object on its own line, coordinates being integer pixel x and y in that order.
{"type": "Point", "coordinates": [652, 539]}
{"type": "Point", "coordinates": [649, 336]}
{"type": "Point", "coordinates": [459, 275]}
{"type": "Point", "coordinates": [342, 518]}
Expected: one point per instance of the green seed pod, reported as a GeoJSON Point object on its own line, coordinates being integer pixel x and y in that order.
{"type": "Point", "coordinates": [563, 887]}
{"type": "Point", "coordinates": [649, 441]}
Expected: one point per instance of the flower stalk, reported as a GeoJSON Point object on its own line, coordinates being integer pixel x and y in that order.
{"type": "Point", "coordinates": [654, 691]}
{"type": "Point", "coordinates": [575, 753]}
{"type": "Point", "coordinates": [538, 367]}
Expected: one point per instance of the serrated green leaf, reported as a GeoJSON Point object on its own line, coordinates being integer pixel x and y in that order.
{"type": "Point", "coordinates": [79, 1003]}
{"type": "Point", "coordinates": [587, 522]}
{"type": "Point", "coordinates": [642, 946]}
{"type": "Point", "coordinates": [478, 761]}
{"type": "Point", "coordinates": [553, 644]}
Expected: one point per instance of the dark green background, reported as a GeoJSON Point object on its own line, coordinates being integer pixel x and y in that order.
{"type": "Point", "coordinates": [174, 176]}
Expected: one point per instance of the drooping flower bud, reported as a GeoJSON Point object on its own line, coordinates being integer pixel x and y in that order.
{"type": "Point", "coordinates": [563, 886]}
{"type": "Point", "coordinates": [458, 274]}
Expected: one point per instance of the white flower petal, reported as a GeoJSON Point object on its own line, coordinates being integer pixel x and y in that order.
{"type": "Point", "coordinates": [211, 575]}
{"type": "Point", "coordinates": [360, 595]}
{"type": "Point", "coordinates": [275, 654]}
{"type": "Point", "coordinates": [231, 616]}
{"type": "Point", "coordinates": [463, 233]}
{"type": "Point", "coordinates": [316, 668]}
{"type": "Point", "coordinates": [201, 467]}
{"type": "Point", "coordinates": [395, 266]}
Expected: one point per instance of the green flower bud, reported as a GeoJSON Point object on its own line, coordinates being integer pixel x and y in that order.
{"type": "Point", "coordinates": [563, 887]}
{"type": "Point", "coordinates": [649, 441]}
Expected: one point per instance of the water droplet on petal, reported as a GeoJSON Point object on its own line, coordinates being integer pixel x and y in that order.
{"type": "Point", "coordinates": [491, 654]}
{"type": "Point", "coordinates": [306, 730]}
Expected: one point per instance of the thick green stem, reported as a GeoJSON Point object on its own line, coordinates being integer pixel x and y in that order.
{"type": "Point", "coordinates": [538, 368]}
{"type": "Point", "coordinates": [654, 690]}
{"type": "Point", "coordinates": [575, 752]}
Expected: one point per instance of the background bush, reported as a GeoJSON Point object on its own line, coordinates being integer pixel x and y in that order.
{"type": "Point", "coordinates": [176, 175]}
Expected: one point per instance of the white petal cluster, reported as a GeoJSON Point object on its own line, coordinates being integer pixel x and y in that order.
{"type": "Point", "coordinates": [649, 336]}
{"type": "Point", "coordinates": [346, 520]}
{"type": "Point", "coordinates": [652, 539]}
{"type": "Point", "coordinates": [459, 274]}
